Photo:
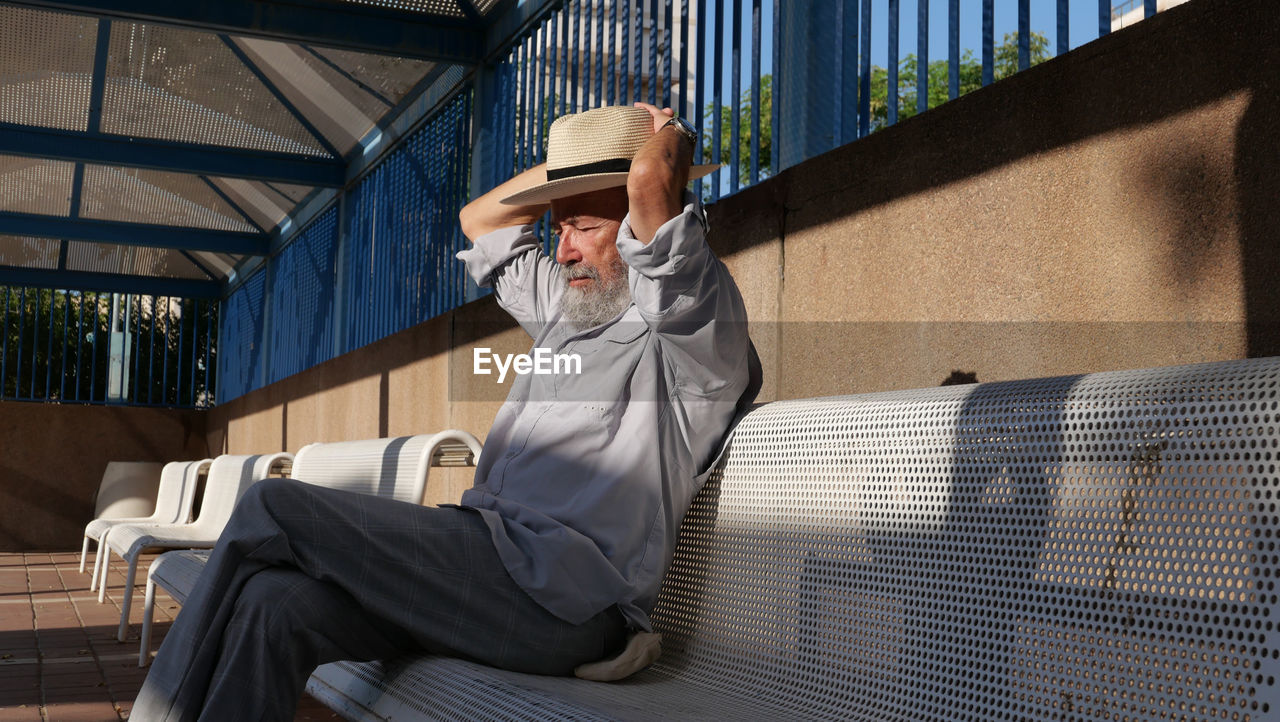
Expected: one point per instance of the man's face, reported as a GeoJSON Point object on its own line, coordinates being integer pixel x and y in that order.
{"type": "Point", "coordinates": [587, 228]}
{"type": "Point", "coordinates": [595, 276]}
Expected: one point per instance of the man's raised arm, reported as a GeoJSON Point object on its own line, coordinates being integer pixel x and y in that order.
{"type": "Point", "coordinates": [487, 213]}
{"type": "Point", "coordinates": [506, 256]}
{"type": "Point", "coordinates": [659, 172]}
{"type": "Point", "coordinates": [683, 292]}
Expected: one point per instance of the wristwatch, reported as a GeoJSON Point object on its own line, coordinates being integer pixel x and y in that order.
{"type": "Point", "coordinates": [683, 127]}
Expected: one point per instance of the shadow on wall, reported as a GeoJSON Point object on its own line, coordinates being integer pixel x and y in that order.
{"type": "Point", "coordinates": [1257, 163]}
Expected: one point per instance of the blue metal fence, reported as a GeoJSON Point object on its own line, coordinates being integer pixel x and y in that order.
{"type": "Point", "coordinates": [379, 260]}
{"type": "Point", "coordinates": [74, 346]}
{"type": "Point", "coordinates": [706, 59]}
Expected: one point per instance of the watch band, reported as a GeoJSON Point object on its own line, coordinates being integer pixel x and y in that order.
{"type": "Point", "coordinates": [683, 127]}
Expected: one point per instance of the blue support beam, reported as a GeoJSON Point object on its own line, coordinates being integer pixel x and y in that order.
{"type": "Point", "coordinates": [133, 234]}
{"type": "Point", "coordinates": [110, 282]}
{"type": "Point", "coordinates": [210, 160]}
{"type": "Point", "coordinates": [343, 25]}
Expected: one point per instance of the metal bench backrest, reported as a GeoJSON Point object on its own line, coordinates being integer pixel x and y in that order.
{"type": "Point", "coordinates": [1096, 547]}
{"type": "Point", "coordinates": [392, 467]}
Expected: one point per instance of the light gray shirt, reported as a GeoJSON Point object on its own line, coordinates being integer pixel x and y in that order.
{"type": "Point", "coordinates": [585, 477]}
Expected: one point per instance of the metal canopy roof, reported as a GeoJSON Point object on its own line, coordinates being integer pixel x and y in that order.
{"type": "Point", "coordinates": [153, 146]}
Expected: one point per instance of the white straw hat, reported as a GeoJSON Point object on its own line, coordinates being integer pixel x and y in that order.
{"type": "Point", "coordinates": [592, 150]}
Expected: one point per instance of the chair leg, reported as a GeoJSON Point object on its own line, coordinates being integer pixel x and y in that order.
{"type": "Point", "coordinates": [84, 552]}
{"type": "Point", "coordinates": [102, 580]}
{"type": "Point", "coordinates": [148, 606]}
{"type": "Point", "coordinates": [128, 597]}
{"type": "Point", "coordinates": [97, 564]}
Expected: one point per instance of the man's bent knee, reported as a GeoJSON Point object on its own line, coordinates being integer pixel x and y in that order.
{"type": "Point", "coordinates": [273, 491]}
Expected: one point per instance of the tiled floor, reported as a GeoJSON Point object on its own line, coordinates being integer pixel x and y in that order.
{"type": "Point", "coordinates": [59, 658]}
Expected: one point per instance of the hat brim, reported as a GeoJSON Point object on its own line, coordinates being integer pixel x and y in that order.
{"type": "Point", "coordinates": [564, 187]}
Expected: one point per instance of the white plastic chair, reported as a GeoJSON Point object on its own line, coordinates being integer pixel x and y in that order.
{"type": "Point", "coordinates": [174, 500]}
{"type": "Point", "coordinates": [229, 477]}
{"type": "Point", "coordinates": [395, 468]}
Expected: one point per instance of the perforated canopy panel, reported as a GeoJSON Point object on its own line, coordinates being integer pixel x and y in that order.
{"type": "Point", "coordinates": [106, 258]}
{"type": "Point", "coordinates": [47, 67]}
{"type": "Point", "coordinates": [447, 8]}
{"type": "Point", "coordinates": [34, 185]}
{"type": "Point", "coordinates": [1099, 547]}
{"type": "Point", "coordinates": [28, 252]}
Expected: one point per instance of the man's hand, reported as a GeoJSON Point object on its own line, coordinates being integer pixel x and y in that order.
{"type": "Point", "coordinates": [659, 172]}
{"type": "Point", "coordinates": [487, 213]}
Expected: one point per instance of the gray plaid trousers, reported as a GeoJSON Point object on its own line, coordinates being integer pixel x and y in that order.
{"type": "Point", "coordinates": [305, 575]}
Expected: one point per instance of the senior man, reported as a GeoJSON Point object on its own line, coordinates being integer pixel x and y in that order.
{"type": "Point", "coordinates": [553, 560]}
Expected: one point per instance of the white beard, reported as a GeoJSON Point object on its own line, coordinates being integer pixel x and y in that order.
{"type": "Point", "coordinates": [597, 302]}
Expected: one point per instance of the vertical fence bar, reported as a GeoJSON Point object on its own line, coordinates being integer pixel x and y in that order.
{"type": "Point", "coordinates": [837, 67]}
{"type": "Point", "coordinates": [48, 354]}
{"type": "Point", "coordinates": [540, 101]}
{"type": "Point", "coordinates": [79, 343]}
{"type": "Point", "coordinates": [182, 338]}
{"type": "Point", "coordinates": [864, 72]}
{"type": "Point", "coordinates": [611, 81]}
{"type": "Point", "coordinates": [66, 329]}
{"type": "Point", "coordinates": [137, 355]}
{"type": "Point", "coordinates": [4, 348]}
{"type": "Point", "coordinates": [518, 56]}
{"type": "Point", "coordinates": [775, 93]}
{"type": "Point", "coordinates": [684, 62]}
{"type": "Point", "coordinates": [700, 155]}
{"type": "Point", "coordinates": [35, 348]}
{"type": "Point", "coordinates": [988, 41]}
{"type": "Point", "coordinates": [894, 19]}
{"type": "Point", "coordinates": [668, 38]}
{"type": "Point", "coordinates": [717, 84]}
{"type": "Point", "coordinates": [922, 59]}
{"type": "Point", "coordinates": [1024, 34]}
{"type": "Point", "coordinates": [846, 69]}
{"type": "Point", "coordinates": [1064, 27]}
{"type": "Point", "coordinates": [575, 47]}
{"type": "Point", "coordinates": [1149, 8]}
{"type": "Point", "coordinates": [653, 52]}
{"type": "Point", "coordinates": [93, 350]}
{"type": "Point", "coordinates": [22, 323]}
{"type": "Point", "coordinates": [599, 57]}
{"type": "Point", "coordinates": [208, 350]}
{"type": "Point", "coordinates": [953, 49]}
{"type": "Point", "coordinates": [735, 89]}
{"type": "Point", "coordinates": [563, 73]}
{"type": "Point", "coordinates": [1104, 17]}
{"type": "Point", "coordinates": [755, 91]}
{"type": "Point", "coordinates": [624, 56]}
{"type": "Point", "coordinates": [151, 350]}
{"type": "Point", "coordinates": [168, 314]}
{"type": "Point", "coordinates": [588, 55]}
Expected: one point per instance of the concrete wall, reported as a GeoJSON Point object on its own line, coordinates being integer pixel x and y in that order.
{"type": "Point", "coordinates": [1112, 208]}
{"type": "Point", "coordinates": [54, 457]}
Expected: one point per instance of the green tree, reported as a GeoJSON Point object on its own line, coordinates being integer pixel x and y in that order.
{"type": "Point", "coordinates": [1004, 64]}
{"type": "Point", "coordinates": [744, 132]}
{"type": "Point", "coordinates": [54, 345]}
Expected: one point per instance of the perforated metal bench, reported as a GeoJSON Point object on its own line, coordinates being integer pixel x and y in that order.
{"type": "Point", "coordinates": [1099, 547]}
{"type": "Point", "coordinates": [392, 467]}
